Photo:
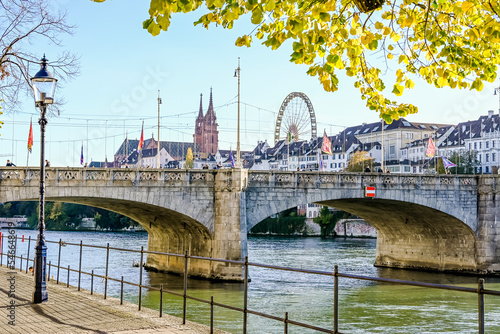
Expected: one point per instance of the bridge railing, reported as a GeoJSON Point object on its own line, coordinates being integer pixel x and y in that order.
{"type": "Point", "coordinates": [89, 176]}
{"type": "Point", "coordinates": [481, 291]}
{"type": "Point", "coordinates": [175, 177]}
{"type": "Point", "coordinates": [334, 179]}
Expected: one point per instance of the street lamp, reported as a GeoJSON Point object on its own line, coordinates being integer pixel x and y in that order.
{"type": "Point", "coordinates": [238, 154]}
{"type": "Point", "coordinates": [44, 85]}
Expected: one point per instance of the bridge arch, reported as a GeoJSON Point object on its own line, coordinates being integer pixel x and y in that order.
{"type": "Point", "coordinates": [419, 224]}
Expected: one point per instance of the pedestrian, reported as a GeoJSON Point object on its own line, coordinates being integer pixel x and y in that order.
{"type": "Point", "coordinates": [10, 164]}
{"type": "Point", "coordinates": [387, 170]}
{"type": "Point", "coordinates": [380, 170]}
{"type": "Point", "coordinates": [47, 163]}
{"type": "Point", "coordinates": [367, 169]}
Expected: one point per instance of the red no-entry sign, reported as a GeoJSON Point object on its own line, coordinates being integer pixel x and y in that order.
{"type": "Point", "coordinates": [369, 191]}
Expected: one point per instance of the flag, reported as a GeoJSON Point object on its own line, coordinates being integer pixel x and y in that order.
{"type": "Point", "coordinates": [326, 146]}
{"type": "Point", "coordinates": [30, 138]}
{"type": "Point", "coordinates": [431, 149]}
{"type": "Point", "coordinates": [81, 156]}
{"type": "Point", "coordinates": [141, 141]}
{"type": "Point", "coordinates": [447, 163]}
{"type": "Point", "coordinates": [232, 160]}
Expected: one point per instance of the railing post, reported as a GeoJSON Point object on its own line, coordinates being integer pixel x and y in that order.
{"type": "Point", "coordinates": [67, 283]}
{"type": "Point", "coordinates": [140, 277]}
{"type": "Point", "coordinates": [161, 300]}
{"type": "Point", "coordinates": [336, 300]}
{"type": "Point", "coordinates": [92, 282]}
{"type": "Point", "coordinates": [21, 264]}
{"type": "Point", "coordinates": [106, 274]}
{"type": "Point", "coordinates": [59, 260]}
{"type": "Point", "coordinates": [184, 306]}
{"type": "Point", "coordinates": [121, 292]}
{"type": "Point", "coordinates": [28, 257]}
{"type": "Point", "coordinates": [480, 295]}
{"type": "Point", "coordinates": [286, 323]}
{"type": "Point", "coordinates": [48, 274]}
{"type": "Point", "coordinates": [211, 314]}
{"type": "Point", "coordinates": [80, 266]}
{"type": "Point", "coordinates": [245, 296]}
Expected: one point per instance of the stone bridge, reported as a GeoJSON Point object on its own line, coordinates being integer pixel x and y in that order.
{"type": "Point", "coordinates": [441, 223]}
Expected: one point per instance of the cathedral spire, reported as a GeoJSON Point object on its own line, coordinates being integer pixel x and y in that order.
{"type": "Point", "coordinates": [210, 105]}
{"type": "Point", "coordinates": [200, 112]}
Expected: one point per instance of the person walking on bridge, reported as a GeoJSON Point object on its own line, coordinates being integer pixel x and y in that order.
{"type": "Point", "coordinates": [10, 164]}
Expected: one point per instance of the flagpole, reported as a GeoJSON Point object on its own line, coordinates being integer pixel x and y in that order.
{"type": "Point", "coordinates": [158, 146]}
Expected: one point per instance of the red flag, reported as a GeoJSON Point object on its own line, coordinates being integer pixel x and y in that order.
{"type": "Point", "coordinates": [30, 138]}
{"type": "Point", "coordinates": [431, 149]}
{"type": "Point", "coordinates": [326, 147]}
{"type": "Point", "coordinates": [141, 141]}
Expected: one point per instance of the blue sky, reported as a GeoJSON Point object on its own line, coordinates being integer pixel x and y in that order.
{"type": "Point", "coordinates": [123, 67]}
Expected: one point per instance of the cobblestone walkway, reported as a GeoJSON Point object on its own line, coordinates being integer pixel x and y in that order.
{"type": "Point", "coordinates": [72, 311]}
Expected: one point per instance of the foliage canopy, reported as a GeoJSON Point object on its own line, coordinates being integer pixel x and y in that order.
{"type": "Point", "coordinates": [447, 43]}
{"type": "Point", "coordinates": [24, 23]}
{"type": "Point", "coordinates": [359, 161]}
{"type": "Point", "coordinates": [189, 159]}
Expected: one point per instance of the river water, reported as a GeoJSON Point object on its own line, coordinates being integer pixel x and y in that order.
{"type": "Point", "coordinates": [365, 307]}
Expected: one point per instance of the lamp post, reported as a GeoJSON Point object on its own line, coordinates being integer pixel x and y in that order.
{"type": "Point", "coordinates": [238, 154]}
{"type": "Point", "coordinates": [44, 85]}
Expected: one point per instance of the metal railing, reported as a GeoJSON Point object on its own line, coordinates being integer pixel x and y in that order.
{"type": "Point", "coordinates": [480, 290]}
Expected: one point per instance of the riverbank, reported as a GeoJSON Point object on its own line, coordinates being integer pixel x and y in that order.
{"type": "Point", "coordinates": [72, 311]}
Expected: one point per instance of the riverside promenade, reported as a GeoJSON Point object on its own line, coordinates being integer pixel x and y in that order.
{"type": "Point", "coordinates": [72, 311]}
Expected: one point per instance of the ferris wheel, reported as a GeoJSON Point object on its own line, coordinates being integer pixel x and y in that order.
{"type": "Point", "coordinates": [296, 119]}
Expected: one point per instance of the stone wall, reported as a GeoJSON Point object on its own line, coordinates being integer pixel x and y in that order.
{"type": "Point", "coordinates": [355, 228]}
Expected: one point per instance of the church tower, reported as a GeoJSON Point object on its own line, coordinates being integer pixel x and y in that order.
{"type": "Point", "coordinates": [206, 135]}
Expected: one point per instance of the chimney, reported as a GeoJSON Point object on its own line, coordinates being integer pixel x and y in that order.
{"type": "Point", "coordinates": [490, 113]}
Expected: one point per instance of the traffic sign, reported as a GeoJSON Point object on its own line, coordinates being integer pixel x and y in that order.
{"type": "Point", "coordinates": [369, 191]}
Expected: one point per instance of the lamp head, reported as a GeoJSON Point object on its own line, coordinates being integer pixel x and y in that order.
{"type": "Point", "coordinates": [44, 84]}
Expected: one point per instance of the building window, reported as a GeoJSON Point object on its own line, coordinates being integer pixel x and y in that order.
{"type": "Point", "coordinates": [493, 157]}
{"type": "Point", "coordinates": [475, 146]}
{"type": "Point", "coordinates": [493, 143]}
{"type": "Point", "coordinates": [487, 144]}
{"type": "Point", "coordinates": [487, 157]}
{"type": "Point", "coordinates": [480, 158]}
{"type": "Point", "coordinates": [480, 145]}
{"type": "Point", "coordinates": [392, 150]}
{"type": "Point", "coordinates": [487, 169]}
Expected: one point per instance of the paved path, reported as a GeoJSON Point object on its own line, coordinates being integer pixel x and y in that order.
{"type": "Point", "coordinates": [72, 311]}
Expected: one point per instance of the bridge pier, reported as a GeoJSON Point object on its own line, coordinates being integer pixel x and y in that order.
{"type": "Point", "coordinates": [227, 240]}
{"type": "Point", "coordinates": [488, 229]}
